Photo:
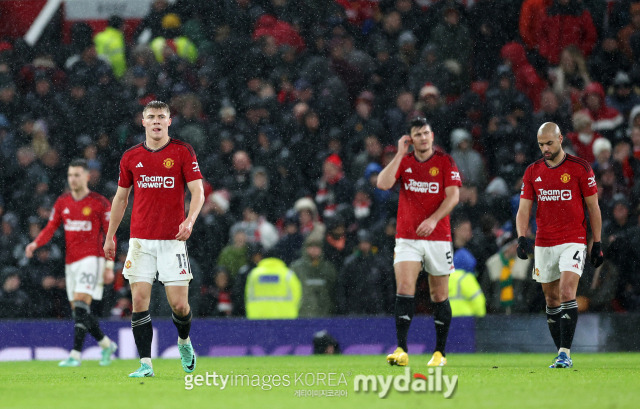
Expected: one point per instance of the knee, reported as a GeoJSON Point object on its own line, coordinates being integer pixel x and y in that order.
{"type": "Point", "coordinates": [140, 302]}
{"type": "Point", "coordinates": [567, 294]}
{"type": "Point", "coordinates": [439, 295]}
{"type": "Point", "coordinates": [552, 300]}
{"type": "Point", "coordinates": [181, 308]}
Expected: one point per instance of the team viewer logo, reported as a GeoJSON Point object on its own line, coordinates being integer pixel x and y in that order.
{"type": "Point", "coordinates": [156, 182]}
{"type": "Point", "coordinates": [565, 178]}
{"type": "Point", "coordinates": [434, 171]}
{"type": "Point", "coordinates": [86, 210]}
{"type": "Point", "coordinates": [168, 163]}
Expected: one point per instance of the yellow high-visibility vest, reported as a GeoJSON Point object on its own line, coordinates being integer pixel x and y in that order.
{"type": "Point", "coordinates": [183, 47]}
{"type": "Point", "coordinates": [110, 44]}
{"type": "Point", "coordinates": [273, 291]}
{"type": "Point", "coordinates": [465, 296]}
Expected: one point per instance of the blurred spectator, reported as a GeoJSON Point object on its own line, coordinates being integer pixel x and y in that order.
{"type": "Point", "coordinates": [318, 278]}
{"type": "Point", "coordinates": [506, 278]}
{"type": "Point", "coordinates": [365, 284]}
{"type": "Point", "coordinates": [273, 291]}
{"type": "Point", "coordinates": [607, 60]}
{"type": "Point", "coordinates": [290, 243]}
{"type": "Point", "coordinates": [570, 77]}
{"type": "Point", "coordinates": [583, 136]}
{"type": "Point", "coordinates": [234, 255]}
{"type": "Point", "coordinates": [110, 44]}
{"type": "Point", "coordinates": [333, 187]}
{"type": "Point", "coordinates": [527, 79]}
{"type": "Point", "coordinates": [255, 226]}
{"type": "Point", "coordinates": [255, 254]}
{"type": "Point", "coordinates": [607, 120]}
{"type": "Point", "coordinates": [14, 301]}
{"type": "Point", "coordinates": [215, 299]}
{"type": "Point", "coordinates": [624, 97]}
{"type": "Point", "coordinates": [336, 244]}
{"type": "Point", "coordinates": [531, 16]}
{"type": "Point", "coordinates": [565, 22]}
{"type": "Point", "coordinates": [465, 295]}
{"type": "Point", "coordinates": [470, 162]}
{"type": "Point", "coordinates": [627, 31]}
{"type": "Point", "coordinates": [170, 41]}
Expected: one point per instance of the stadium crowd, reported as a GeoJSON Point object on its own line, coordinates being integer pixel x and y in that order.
{"type": "Point", "coordinates": [293, 108]}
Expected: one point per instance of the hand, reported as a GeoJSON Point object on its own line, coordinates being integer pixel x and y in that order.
{"type": "Point", "coordinates": [108, 276]}
{"type": "Point", "coordinates": [426, 227]}
{"type": "Point", "coordinates": [524, 248]}
{"type": "Point", "coordinates": [31, 247]}
{"type": "Point", "coordinates": [403, 144]}
{"type": "Point", "coordinates": [597, 256]}
{"type": "Point", "coordinates": [184, 230]}
{"type": "Point", "coordinates": [109, 249]}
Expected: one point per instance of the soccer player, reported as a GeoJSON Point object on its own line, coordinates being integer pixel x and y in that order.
{"type": "Point", "coordinates": [561, 184]}
{"type": "Point", "coordinates": [85, 215]}
{"type": "Point", "coordinates": [429, 190]}
{"type": "Point", "coordinates": [158, 170]}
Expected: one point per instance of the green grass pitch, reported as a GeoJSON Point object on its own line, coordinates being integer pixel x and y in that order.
{"type": "Point", "coordinates": [484, 381]}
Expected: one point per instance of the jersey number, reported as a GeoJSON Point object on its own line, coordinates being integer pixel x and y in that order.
{"type": "Point", "coordinates": [577, 257]}
{"type": "Point", "coordinates": [182, 259]}
{"type": "Point", "coordinates": [449, 258]}
{"type": "Point", "coordinates": [87, 278]}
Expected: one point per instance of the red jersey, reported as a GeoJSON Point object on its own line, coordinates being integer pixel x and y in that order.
{"type": "Point", "coordinates": [159, 179]}
{"type": "Point", "coordinates": [86, 222]}
{"type": "Point", "coordinates": [560, 193]}
{"type": "Point", "coordinates": [422, 190]}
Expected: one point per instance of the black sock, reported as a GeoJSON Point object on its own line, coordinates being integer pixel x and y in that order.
{"type": "Point", "coordinates": [553, 320]}
{"type": "Point", "coordinates": [442, 321]}
{"type": "Point", "coordinates": [183, 324]}
{"type": "Point", "coordinates": [404, 314]}
{"type": "Point", "coordinates": [79, 331]}
{"type": "Point", "coordinates": [142, 332]}
{"type": "Point", "coordinates": [83, 315]}
{"type": "Point", "coordinates": [568, 321]}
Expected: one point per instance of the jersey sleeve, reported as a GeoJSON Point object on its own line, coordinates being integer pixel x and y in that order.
{"type": "Point", "coordinates": [527, 192]}
{"type": "Point", "coordinates": [125, 178]}
{"type": "Point", "coordinates": [190, 166]}
{"type": "Point", "coordinates": [452, 174]}
{"type": "Point", "coordinates": [588, 185]}
{"type": "Point", "coordinates": [401, 168]}
{"type": "Point", "coordinates": [55, 219]}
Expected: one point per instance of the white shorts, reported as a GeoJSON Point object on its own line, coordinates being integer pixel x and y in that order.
{"type": "Point", "coordinates": [436, 256]}
{"type": "Point", "coordinates": [168, 258]}
{"type": "Point", "coordinates": [550, 261]}
{"type": "Point", "coordinates": [85, 276]}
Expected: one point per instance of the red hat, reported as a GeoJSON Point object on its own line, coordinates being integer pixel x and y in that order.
{"type": "Point", "coordinates": [334, 159]}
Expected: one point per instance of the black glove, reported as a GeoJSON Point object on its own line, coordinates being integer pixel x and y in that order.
{"type": "Point", "coordinates": [523, 248]}
{"type": "Point", "coordinates": [597, 256]}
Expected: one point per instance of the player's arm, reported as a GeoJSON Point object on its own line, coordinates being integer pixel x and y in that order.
{"type": "Point", "coordinates": [387, 177]}
{"type": "Point", "coordinates": [195, 204]}
{"type": "Point", "coordinates": [452, 195]}
{"type": "Point", "coordinates": [118, 207]}
{"type": "Point", "coordinates": [595, 217]}
{"type": "Point", "coordinates": [108, 274]}
{"type": "Point", "coordinates": [523, 216]}
{"type": "Point", "coordinates": [46, 234]}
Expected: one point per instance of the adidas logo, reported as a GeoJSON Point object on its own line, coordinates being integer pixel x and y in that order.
{"type": "Point", "coordinates": [139, 165]}
{"type": "Point", "coordinates": [550, 321]}
{"type": "Point", "coordinates": [409, 170]}
{"type": "Point", "coordinates": [66, 211]}
{"type": "Point", "coordinates": [538, 179]}
{"type": "Point", "coordinates": [576, 266]}
{"type": "Point", "coordinates": [183, 272]}
{"type": "Point", "coordinates": [566, 317]}
{"type": "Point", "coordinates": [438, 322]}
{"type": "Point", "coordinates": [405, 317]}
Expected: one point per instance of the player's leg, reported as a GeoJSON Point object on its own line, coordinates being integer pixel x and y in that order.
{"type": "Point", "coordinates": [571, 264]}
{"type": "Point", "coordinates": [406, 273]}
{"type": "Point", "coordinates": [569, 318]}
{"type": "Point", "coordinates": [140, 269]}
{"type": "Point", "coordinates": [141, 326]}
{"type": "Point", "coordinates": [174, 272]}
{"type": "Point", "coordinates": [79, 330]}
{"type": "Point", "coordinates": [439, 292]}
{"type": "Point", "coordinates": [554, 311]}
{"type": "Point", "coordinates": [178, 297]}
